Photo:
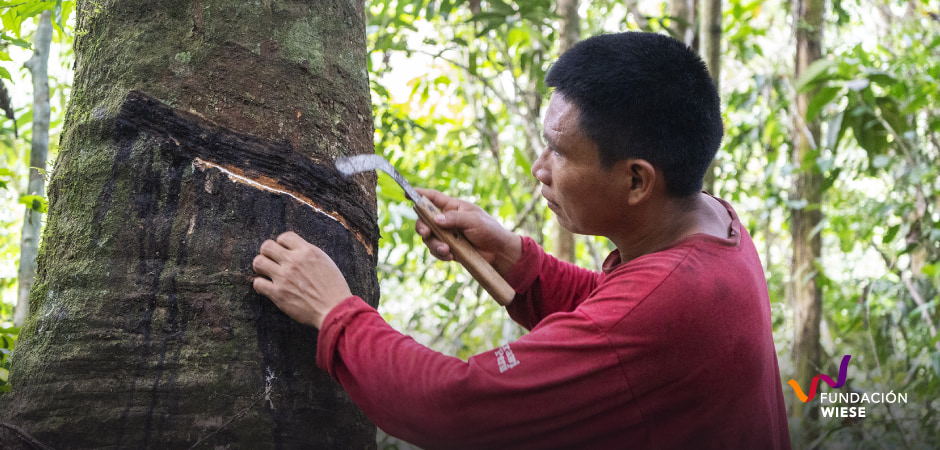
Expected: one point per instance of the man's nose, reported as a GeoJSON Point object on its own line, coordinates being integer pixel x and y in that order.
{"type": "Point", "coordinates": [540, 169]}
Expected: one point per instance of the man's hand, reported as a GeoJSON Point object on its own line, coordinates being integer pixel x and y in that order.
{"type": "Point", "coordinates": [499, 246]}
{"type": "Point", "coordinates": [299, 278]}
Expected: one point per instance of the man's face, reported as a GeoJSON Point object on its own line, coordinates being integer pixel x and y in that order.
{"type": "Point", "coordinates": [582, 193]}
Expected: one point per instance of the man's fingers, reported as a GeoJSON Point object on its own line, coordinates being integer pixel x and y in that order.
{"type": "Point", "coordinates": [263, 286]}
{"type": "Point", "coordinates": [273, 250]}
{"type": "Point", "coordinates": [263, 265]}
{"type": "Point", "coordinates": [441, 200]}
{"type": "Point", "coordinates": [278, 250]}
{"type": "Point", "coordinates": [423, 229]}
{"type": "Point", "coordinates": [457, 219]}
{"type": "Point", "coordinates": [438, 248]}
{"type": "Point", "coordinates": [290, 240]}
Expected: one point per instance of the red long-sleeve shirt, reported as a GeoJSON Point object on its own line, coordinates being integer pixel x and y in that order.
{"type": "Point", "coordinates": [670, 350]}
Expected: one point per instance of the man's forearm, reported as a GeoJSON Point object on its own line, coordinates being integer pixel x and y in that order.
{"type": "Point", "coordinates": [509, 255]}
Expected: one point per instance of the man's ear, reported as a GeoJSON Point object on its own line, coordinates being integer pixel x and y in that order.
{"type": "Point", "coordinates": [641, 178]}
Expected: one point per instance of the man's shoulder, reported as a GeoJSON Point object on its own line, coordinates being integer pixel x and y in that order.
{"type": "Point", "coordinates": [694, 273]}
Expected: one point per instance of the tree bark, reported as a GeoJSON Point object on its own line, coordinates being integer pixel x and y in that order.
{"type": "Point", "coordinates": [195, 131]}
{"type": "Point", "coordinates": [38, 65]}
{"type": "Point", "coordinates": [710, 41]}
{"type": "Point", "coordinates": [805, 219]}
{"type": "Point", "coordinates": [684, 19]}
{"type": "Point", "coordinates": [569, 25]}
{"type": "Point", "coordinates": [642, 23]}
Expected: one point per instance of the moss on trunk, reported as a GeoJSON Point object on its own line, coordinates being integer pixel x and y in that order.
{"type": "Point", "coordinates": [196, 130]}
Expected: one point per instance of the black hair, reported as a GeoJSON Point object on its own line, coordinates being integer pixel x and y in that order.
{"type": "Point", "coordinates": [646, 96]}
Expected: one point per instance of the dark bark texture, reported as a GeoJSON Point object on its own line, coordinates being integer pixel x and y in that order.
{"type": "Point", "coordinates": [196, 130]}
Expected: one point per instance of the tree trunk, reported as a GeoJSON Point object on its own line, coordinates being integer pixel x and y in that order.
{"type": "Point", "coordinates": [710, 41]}
{"type": "Point", "coordinates": [569, 25]}
{"type": "Point", "coordinates": [683, 23]}
{"type": "Point", "coordinates": [805, 293]}
{"type": "Point", "coordinates": [195, 131]}
{"type": "Point", "coordinates": [38, 65]}
{"type": "Point", "coordinates": [642, 23]}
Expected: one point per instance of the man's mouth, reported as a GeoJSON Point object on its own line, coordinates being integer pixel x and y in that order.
{"type": "Point", "coordinates": [552, 205]}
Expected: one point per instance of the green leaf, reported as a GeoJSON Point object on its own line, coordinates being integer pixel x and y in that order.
{"type": "Point", "coordinates": [389, 189]}
{"type": "Point", "coordinates": [30, 9]}
{"type": "Point", "coordinates": [929, 270]}
{"type": "Point", "coordinates": [926, 306]}
{"type": "Point", "coordinates": [5, 74]}
{"type": "Point", "coordinates": [882, 78]}
{"type": "Point", "coordinates": [817, 71]}
{"type": "Point", "coordinates": [502, 8]}
{"type": "Point", "coordinates": [25, 119]}
{"type": "Point", "coordinates": [507, 209]}
{"type": "Point", "coordinates": [892, 114]}
{"type": "Point", "coordinates": [891, 234]}
{"type": "Point", "coordinates": [57, 13]}
{"type": "Point", "coordinates": [36, 203]}
{"type": "Point", "coordinates": [525, 166]}
{"type": "Point", "coordinates": [830, 179]}
{"type": "Point", "coordinates": [820, 100]}
{"type": "Point", "coordinates": [15, 41]}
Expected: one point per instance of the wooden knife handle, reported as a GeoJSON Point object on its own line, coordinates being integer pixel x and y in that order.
{"type": "Point", "coordinates": [467, 255]}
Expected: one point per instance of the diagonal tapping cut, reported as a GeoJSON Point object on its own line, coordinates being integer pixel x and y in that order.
{"type": "Point", "coordinates": [265, 184]}
{"type": "Point", "coordinates": [271, 185]}
{"type": "Point", "coordinates": [271, 166]}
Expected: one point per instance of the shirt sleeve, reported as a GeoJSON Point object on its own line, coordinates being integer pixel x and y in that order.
{"type": "Point", "coordinates": [546, 285]}
{"type": "Point", "coordinates": [523, 394]}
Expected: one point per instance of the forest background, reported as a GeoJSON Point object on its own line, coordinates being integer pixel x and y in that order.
{"type": "Point", "coordinates": [831, 162]}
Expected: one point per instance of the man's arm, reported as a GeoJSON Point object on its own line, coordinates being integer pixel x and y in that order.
{"type": "Point", "coordinates": [544, 284]}
{"type": "Point", "coordinates": [547, 284]}
{"type": "Point", "coordinates": [506, 397]}
{"type": "Point", "coordinates": [555, 387]}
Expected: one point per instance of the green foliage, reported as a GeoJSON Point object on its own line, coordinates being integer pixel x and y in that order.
{"type": "Point", "coordinates": [8, 336]}
{"type": "Point", "coordinates": [36, 203]}
{"type": "Point", "coordinates": [455, 130]}
{"type": "Point", "coordinates": [7, 342]}
{"type": "Point", "coordinates": [457, 96]}
{"type": "Point", "coordinates": [13, 13]}
{"type": "Point", "coordinates": [462, 125]}
{"type": "Point", "coordinates": [879, 155]}
{"type": "Point", "coordinates": [15, 46]}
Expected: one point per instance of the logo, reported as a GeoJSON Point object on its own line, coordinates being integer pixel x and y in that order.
{"type": "Point", "coordinates": [843, 372]}
{"type": "Point", "coordinates": [505, 359]}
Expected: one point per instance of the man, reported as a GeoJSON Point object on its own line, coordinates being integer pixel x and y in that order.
{"type": "Point", "coordinates": [669, 346]}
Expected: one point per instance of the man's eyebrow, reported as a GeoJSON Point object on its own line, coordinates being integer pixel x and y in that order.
{"type": "Point", "coordinates": [551, 142]}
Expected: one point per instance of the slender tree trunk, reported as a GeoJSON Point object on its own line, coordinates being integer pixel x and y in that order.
{"type": "Point", "coordinates": [38, 65]}
{"type": "Point", "coordinates": [633, 6]}
{"type": "Point", "coordinates": [684, 19]}
{"type": "Point", "coordinates": [710, 42]}
{"type": "Point", "coordinates": [805, 293]}
{"type": "Point", "coordinates": [569, 25]}
{"type": "Point", "coordinates": [195, 131]}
